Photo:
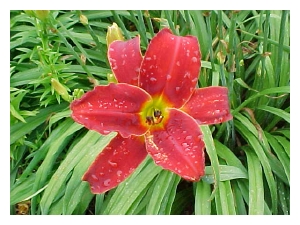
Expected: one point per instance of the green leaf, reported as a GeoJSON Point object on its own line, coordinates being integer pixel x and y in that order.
{"type": "Point", "coordinates": [20, 129]}
{"type": "Point", "coordinates": [128, 191]}
{"type": "Point", "coordinates": [202, 198]}
{"type": "Point", "coordinates": [279, 112]}
{"type": "Point", "coordinates": [87, 148]}
{"type": "Point", "coordinates": [161, 193]}
{"type": "Point", "coordinates": [226, 173]}
{"type": "Point", "coordinates": [212, 153]}
{"type": "Point", "coordinates": [256, 188]}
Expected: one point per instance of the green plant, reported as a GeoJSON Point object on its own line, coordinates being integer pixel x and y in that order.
{"type": "Point", "coordinates": [58, 55]}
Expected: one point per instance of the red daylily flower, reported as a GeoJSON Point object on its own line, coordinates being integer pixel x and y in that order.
{"type": "Point", "coordinates": [155, 108]}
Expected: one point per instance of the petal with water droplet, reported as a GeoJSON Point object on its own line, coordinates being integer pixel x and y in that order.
{"type": "Point", "coordinates": [209, 105]}
{"type": "Point", "coordinates": [114, 107]}
{"type": "Point", "coordinates": [175, 67]}
{"type": "Point", "coordinates": [178, 146]}
{"type": "Point", "coordinates": [115, 163]}
{"type": "Point", "coordinates": [125, 60]}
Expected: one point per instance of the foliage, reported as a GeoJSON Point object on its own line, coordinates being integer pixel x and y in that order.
{"type": "Point", "coordinates": [58, 55]}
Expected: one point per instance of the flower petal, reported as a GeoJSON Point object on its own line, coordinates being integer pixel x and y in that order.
{"type": "Point", "coordinates": [125, 60]}
{"type": "Point", "coordinates": [171, 67]}
{"type": "Point", "coordinates": [178, 146]}
{"type": "Point", "coordinates": [115, 163]}
{"type": "Point", "coordinates": [209, 105]}
{"type": "Point", "coordinates": [115, 107]}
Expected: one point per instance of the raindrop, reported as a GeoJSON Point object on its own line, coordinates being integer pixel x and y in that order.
{"type": "Point", "coordinates": [188, 137]}
{"type": "Point", "coordinates": [153, 79]}
{"type": "Point", "coordinates": [187, 53]}
{"type": "Point", "coordinates": [119, 173]}
{"type": "Point", "coordinates": [177, 89]}
{"type": "Point", "coordinates": [187, 74]}
{"type": "Point", "coordinates": [148, 58]}
{"type": "Point", "coordinates": [107, 182]}
{"type": "Point", "coordinates": [178, 63]}
{"type": "Point", "coordinates": [95, 177]}
{"type": "Point", "coordinates": [195, 79]}
{"type": "Point", "coordinates": [194, 59]}
{"type": "Point", "coordinates": [154, 57]}
{"type": "Point", "coordinates": [113, 164]}
{"type": "Point", "coordinates": [185, 145]}
{"type": "Point", "coordinates": [105, 132]}
{"type": "Point", "coordinates": [169, 77]}
{"type": "Point", "coordinates": [112, 49]}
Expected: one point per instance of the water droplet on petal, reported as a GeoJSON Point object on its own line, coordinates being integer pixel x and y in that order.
{"type": "Point", "coordinates": [178, 63]}
{"type": "Point", "coordinates": [113, 164]}
{"type": "Point", "coordinates": [185, 145]}
{"type": "Point", "coordinates": [194, 59]}
{"type": "Point", "coordinates": [95, 177]}
{"type": "Point", "coordinates": [105, 132]}
{"type": "Point", "coordinates": [169, 77]}
{"type": "Point", "coordinates": [188, 137]}
{"type": "Point", "coordinates": [119, 173]}
{"type": "Point", "coordinates": [107, 182]}
{"type": "Point", "coordinates": [153, 79]}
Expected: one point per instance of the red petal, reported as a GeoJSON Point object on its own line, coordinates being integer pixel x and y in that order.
{"type": "Point", "coordinates": [114, 107]}
{"type": "Point", "coordinates": [125, 60]}
{"type": "Point", "coordinates": [209, 105]}
{"type": "Point", "coordinates": [115, 163]}
{"type": "Point", "coordinates": [179, 146]}
{"type": "Point", "coordinates": [171, 67]}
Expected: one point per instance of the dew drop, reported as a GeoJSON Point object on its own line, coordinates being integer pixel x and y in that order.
{"type": "Point", "coordinates": [187, 74]}
{"type": "Point", "coordinates": [178, 63]}
{"type": "Point", "coordinates": [105, 132]}
{"type": "Point", "coordinates": [148, 58]}
{"type": "Point", "coordinates": [153, 79]}
{"type": "Point", "coordinates": [119, 173]}
{"type": "Point", "coordinates": [194, 59]}
{"type": "Point", "coordinates": [95, 177]}
{"type": "Point", "coordinates": [113, 164]}
{"type": "Point", "coordinates": [169, 77]}
{"type": "Point", "coordinates": [185, 145]}
{"type": "Point", "coordinates": [107, 182]}
{"type": "Point", "coordinates": [177, 89]}
{"type": "Point", "coordinates": [188, 137]}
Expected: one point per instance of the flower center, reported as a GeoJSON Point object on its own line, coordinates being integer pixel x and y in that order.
{"type": "Point", "coordinates": [154, 112]}
{"type": "Point", "coordinates": [155, 118]}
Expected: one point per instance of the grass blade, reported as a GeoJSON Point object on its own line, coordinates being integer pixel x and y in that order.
{"type": "Point", "coordinates": [256, 188]}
